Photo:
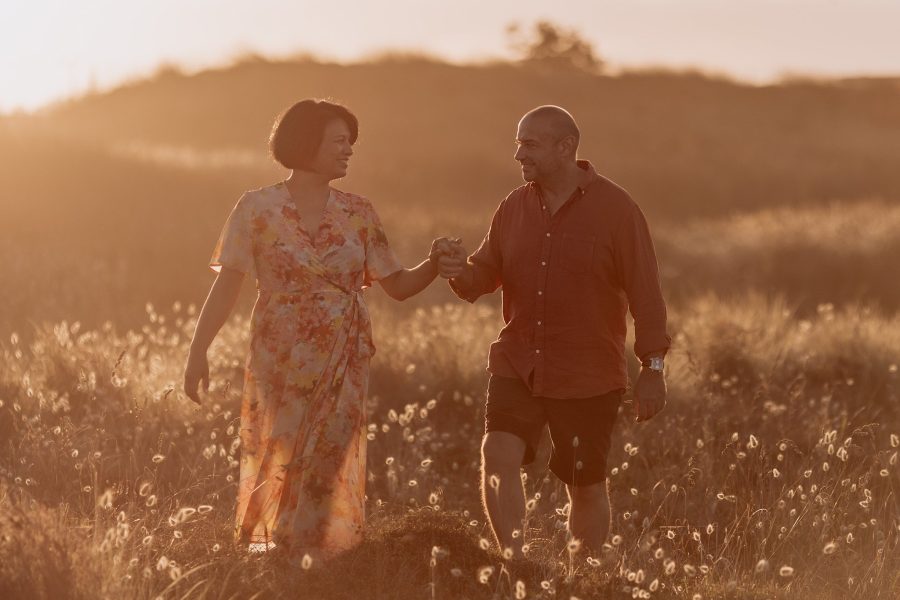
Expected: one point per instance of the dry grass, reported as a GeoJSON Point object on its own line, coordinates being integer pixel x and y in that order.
{"type": "Point", "coordinates": [723, 495]}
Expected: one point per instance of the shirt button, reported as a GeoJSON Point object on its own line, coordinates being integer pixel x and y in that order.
{"type": "Point", "coordinates": [538, 351]}
{"type": "Point", "coordinates": [539, 322]}
{"type": "Point", "coordinates": [548, 234]}
{"type": "Point", "coordinates": [540, 293]}
{"type": "Point", "coordinates": [544, 207]}
{"type": "Point", "coordinates": [544, 263]}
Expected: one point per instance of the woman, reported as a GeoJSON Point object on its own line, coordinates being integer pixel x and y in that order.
{"type": "Point", "coordinates": [312, 249]}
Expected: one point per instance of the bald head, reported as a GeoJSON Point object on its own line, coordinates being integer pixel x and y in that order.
{"type": "Point", "coordinates": [553, 121]}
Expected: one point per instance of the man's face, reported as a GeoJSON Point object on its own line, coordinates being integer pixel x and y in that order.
{"type": "Point", "coordinates": [333, 156]}
{"type": "Point", "coordinates": [537, 150]}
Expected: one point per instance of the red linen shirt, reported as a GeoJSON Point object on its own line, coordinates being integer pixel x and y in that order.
{"type": "Point", "coordinates": [568, 281]}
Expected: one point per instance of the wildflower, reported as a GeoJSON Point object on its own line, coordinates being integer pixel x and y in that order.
{"type": "Point", "coordinates": [575, 442]}
{"type": "Point", "coordinates": [753, 443]}
{"type": "Point", "coordinates": [158, 458]}
{"type": "Point", "coordinates": [762, 566]}
{"type": "Point", "coordinates": [709, 529]}
{"type": "Point", "coordinates": [895, 439]}
{"type": "Point", "coordinates": [829, 548]}
{"type": "Point", "coordinates": [574, 546]}
{"type": "Point", "coordinates": [786, 571]}
{"type": "Point", "coordinates": [456, 572]}
{"type": "Point", "coordinates": [494, 482]}
{"type": "Point", "coordinates": [484, 574]}
{"type": "Point", "coordinates": [689, 570]}
{"type": "Point", "coordinates": [484, 544]}
{"type": "Point", "coordinates": [204, 508]}
{"type": "Point", "coordinates": [654, 585]}
{"type": "Point", "coordinates": [106, 500]}
{"type": "Point", "coordinates": [670, 534]}
{"type": "Point", "coordinates": [776, 473]}
{"type": "Point", "coordinates": [216, 547]}
{"type": "Point", "coordinates": [659, 553]}
{"type": "Point", "coordinates": [306, 562]}
{"type": "Point", "coordinates": [426, 463]}
{"type": "Point", "coordinates": [634, 492]}
{"type": "Point", "coordinates": [520, 590]}
{"type": "Point", "coordinates": [507, 553]}
{"type": "Point", "coordinates": [616, 540]}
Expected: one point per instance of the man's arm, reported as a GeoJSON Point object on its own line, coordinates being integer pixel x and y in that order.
{"type": "Point", "coordinates": [473, 276]}
{"type": "Point", "coordinates": [639, 273]}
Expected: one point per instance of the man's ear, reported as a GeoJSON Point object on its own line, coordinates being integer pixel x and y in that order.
{"type": "Point", "coordinates": [568, 145]}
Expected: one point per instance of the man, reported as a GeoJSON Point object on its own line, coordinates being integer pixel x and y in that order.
{"type": "Point", "coordinates": [572, 252]}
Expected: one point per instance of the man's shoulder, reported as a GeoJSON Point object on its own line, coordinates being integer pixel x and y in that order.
{"type": "Point", "coordinates": [519, 194]}
{"type": "Point", "coordinates": [612, 191]}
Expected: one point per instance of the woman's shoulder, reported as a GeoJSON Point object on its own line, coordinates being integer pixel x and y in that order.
{"type": "Point", "coordinates": [262, 197]}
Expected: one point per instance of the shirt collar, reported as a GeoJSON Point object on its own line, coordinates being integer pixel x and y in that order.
{"type": "Point", "coordinates": [589, 176]}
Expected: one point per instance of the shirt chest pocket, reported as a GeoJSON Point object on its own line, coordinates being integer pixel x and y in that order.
{"type": "Point", "coordinates": [576, 252]}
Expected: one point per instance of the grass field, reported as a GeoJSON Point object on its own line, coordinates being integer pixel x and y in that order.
{"type": "Point", "coordinates": [772, 473]}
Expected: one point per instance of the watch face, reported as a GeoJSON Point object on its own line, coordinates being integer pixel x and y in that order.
{"type": "Point", "coordinates": [656, 364]}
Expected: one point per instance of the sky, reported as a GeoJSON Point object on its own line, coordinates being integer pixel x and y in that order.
{"type": "Point", "coordinates": [50, 49]}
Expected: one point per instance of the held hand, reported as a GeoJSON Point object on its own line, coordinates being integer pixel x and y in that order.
{"type": "Point", "coordinates": [439, 247]}
{"type": "Point", "coordinates": [649, 394]}
{"type": "Point", "coordinates": [449, 255]}
{"type": "Point", "coordinates": [196, 371]}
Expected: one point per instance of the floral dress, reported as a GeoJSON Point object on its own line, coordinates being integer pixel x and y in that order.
{"type": "Point", "coordinates": [303, 445]}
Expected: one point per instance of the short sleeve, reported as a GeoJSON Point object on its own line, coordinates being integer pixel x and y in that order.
{"type": "Point", "coordinates": [380, 258]}
{"type": "Point", "coordinates": [234, 249]}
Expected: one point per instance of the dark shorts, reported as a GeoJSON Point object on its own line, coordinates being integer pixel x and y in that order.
{"type": "Point", "coordinates": [512, 409]}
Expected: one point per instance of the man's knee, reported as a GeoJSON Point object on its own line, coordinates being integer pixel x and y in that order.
{"type": "Point", "coordinates": [501, 452]}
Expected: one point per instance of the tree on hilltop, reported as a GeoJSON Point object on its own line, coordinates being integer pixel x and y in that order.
{"type": "Point", "coordinates": [552, 45]}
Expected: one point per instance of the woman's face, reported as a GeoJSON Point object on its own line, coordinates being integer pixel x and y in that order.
{"type": "Point", "coordinates": [333, 156]}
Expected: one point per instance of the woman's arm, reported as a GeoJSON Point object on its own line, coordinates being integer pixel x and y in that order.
{"type": "Point", "coordinates": [218, 305]}
{"type": "Point", "coordinates": [406, 283]}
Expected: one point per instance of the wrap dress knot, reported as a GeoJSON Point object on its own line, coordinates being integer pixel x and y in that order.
{"type": "Point", "coordinates": [303, 445]}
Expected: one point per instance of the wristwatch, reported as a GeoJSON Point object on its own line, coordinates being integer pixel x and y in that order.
{"type": "Point", "coordinates": [654, 364]}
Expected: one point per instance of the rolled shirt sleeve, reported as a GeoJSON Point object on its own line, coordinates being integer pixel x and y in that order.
{"type": "Point", "coordinates": [639, 273]}
{"type": "Point", "coordinates": [486, 264]}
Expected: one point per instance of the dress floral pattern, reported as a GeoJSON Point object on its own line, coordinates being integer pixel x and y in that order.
{"type": "Point", "coordinates": [303, 445]}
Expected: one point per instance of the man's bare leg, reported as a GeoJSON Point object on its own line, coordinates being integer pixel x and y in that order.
{"type": "Point", "coordinates": [502, 492]}
{"type": "Point", "coordinates": [589, 515]}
